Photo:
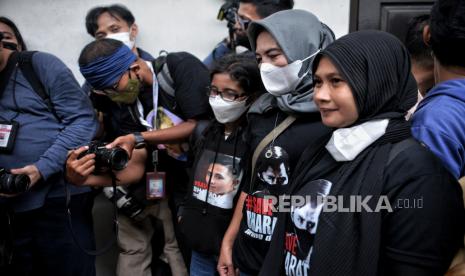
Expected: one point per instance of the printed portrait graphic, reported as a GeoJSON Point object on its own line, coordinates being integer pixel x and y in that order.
{"type": "Point", "coordinates": [217, 178]}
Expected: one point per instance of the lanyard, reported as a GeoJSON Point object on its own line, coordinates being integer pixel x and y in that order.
{"type": "Point", "coordinates": [150, 122]}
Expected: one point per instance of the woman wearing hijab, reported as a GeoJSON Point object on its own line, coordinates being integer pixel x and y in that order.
{"type": "Point", "coordinates": [284, 44]}
{"type": "Point", "coordinates": [412, 221]}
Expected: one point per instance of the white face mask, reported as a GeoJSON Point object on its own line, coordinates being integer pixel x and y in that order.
{"type": "Point", "coordinates": [347, 143]}
{"type": "Point", "coordinates": [282, 80]}
{"type": "Point", "coordinates": [227, 112]}
{"type": "Point", "coordinates": [124, 37]}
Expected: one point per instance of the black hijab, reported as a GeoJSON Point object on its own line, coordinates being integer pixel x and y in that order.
{"type": "Point", "coordinates": [377, 68]}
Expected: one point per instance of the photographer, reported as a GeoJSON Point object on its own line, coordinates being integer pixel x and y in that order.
{"type": "Point", "coordinates": [38, 127]}
{"type": "Point", "coordinates": [80, 166]}
{"type": "Point", "coordinates": [239, 17]}
{"type": "Point", "coordinates": [165, 119]}
{"type": "Point", "coordinates": [115, 22]}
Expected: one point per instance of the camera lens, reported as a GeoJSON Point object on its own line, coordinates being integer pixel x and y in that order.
{"type": "Point", "coordinates": [118, 159]}
{"type": "Point", "coordinates": [21, 183]}
{"type": "Point", "coordinates": [13, 184]}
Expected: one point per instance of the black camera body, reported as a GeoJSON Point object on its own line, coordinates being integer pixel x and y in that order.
{"type": "Point", "coordinates": [13, 183]}
{"type": "Point", "coordinates": [126, 204]}
{"type": "Point", "coordinates": [114, 159]}
{"type": "Point", "coordinates": [228, 11]}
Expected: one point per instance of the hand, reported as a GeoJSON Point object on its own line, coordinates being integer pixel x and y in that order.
{"type": "Point", "coordinates": [225, 265]}
{"type": "Point", "coordinates": [78, 170]}
{"type": "Point", "coordinates": [127, 142]}
{"type": "Point", "coordinates": [31, 171]}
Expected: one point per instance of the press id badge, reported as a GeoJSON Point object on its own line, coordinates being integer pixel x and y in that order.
{"type": "Point", "coordinates": [155, 185]}
{"type": "Point", "coordinates": [8, 131]}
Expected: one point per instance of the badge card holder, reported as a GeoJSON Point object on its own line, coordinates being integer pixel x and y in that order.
{"type": "Point", "coordinates": [156, 181]}
{"type": "Point", "coordinates": [8, 131]}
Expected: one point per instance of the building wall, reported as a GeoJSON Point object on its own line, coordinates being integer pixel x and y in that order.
{"type": "Point", "coordinates": [57, 26]}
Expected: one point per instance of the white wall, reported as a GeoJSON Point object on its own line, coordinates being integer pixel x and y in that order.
{"type": "Point", "coordinates": [57, 26]}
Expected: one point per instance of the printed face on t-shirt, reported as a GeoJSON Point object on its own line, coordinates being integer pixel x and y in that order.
{"type": "Point", "coordinates": [306, 217]}
{"type": "Point", "coordinates": [275, 175]}
{"type": "Point", "coordinates": [222, 180]}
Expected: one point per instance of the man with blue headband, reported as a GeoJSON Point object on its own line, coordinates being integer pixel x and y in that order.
{"type": "Point", "coordinates": [116, 22]}
{"type": "Point", "coordinates": [137, 104]}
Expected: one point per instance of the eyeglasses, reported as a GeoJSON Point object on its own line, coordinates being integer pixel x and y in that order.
{"type": "Point", "coordinates": [228, 95]}
{"type": "Point", "coordinates": [113, 90]}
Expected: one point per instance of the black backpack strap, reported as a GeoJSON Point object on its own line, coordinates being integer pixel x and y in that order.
{"type": "Point", "coordinates": [25, 64]}
{"type": "Point", "coordinates": [400, 147]}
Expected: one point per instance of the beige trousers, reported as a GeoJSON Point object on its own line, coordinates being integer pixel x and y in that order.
{"type": "Point", "coordinates": [134, 240]}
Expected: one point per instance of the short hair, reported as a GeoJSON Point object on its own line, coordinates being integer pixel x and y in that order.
{"type": "Point", "coordinates": [242, 68]}
{"type": "Point", "coordinates": [447, 26]}
{"type": "Point", "coordinates": [114, 10]}
{"type": "Point", "coordinates": [416, 46]}
{"type": "Point", "coordinates": [225, 161]}
{"type": "Point", "coordinates": [268, 7]}
{"type": "Point", "coordinates": [15, 30]}
{"type": "Point", "coordinates": [98, 48]}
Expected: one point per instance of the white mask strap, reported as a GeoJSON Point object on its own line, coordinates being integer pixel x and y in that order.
{"type": "Point", "coordinates": [312, 55]}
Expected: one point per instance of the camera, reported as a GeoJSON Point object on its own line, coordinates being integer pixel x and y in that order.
{"type": "Point", "coordinates": [125, 203]}
{"type": "Point", "coordinates": [228, 11]}
{"type": "Point", "coordinates": [13, 183]}
{"type": "Point", "coordinates": [114, 159]}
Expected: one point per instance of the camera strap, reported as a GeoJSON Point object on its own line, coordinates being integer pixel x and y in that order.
{"type": "Point", "coordinates": [110, 243]}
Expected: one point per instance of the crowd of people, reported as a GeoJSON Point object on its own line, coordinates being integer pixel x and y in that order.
{"type": "Point", "coordinates": [286, 151]}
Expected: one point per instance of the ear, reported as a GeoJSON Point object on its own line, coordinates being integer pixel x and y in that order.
{"type": "Point", "coordinates": [135, 67]}
{"type": "Point", "coordinates": [134, 31]}
{"type": "Point", "coordinates": [427, 35]}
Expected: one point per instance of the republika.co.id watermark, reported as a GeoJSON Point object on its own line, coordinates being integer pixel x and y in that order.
{"type": "Point", "coordinates": [343, 204]}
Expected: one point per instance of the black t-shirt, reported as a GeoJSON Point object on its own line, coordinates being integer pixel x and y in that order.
{"type": "Point", "coordinates": [217, 174]}
{"type": "Point", "coordinates": [303, 220]}
{"type": "Point", "coordinates": [419, 237]}
{"type": "Point", "coordinates": [271, 177]}
{"type": "Point", "coordinates": [190, 78]}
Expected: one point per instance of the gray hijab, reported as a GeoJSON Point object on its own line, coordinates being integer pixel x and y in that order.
{"type": "Point", "coordinates": [299, 34]}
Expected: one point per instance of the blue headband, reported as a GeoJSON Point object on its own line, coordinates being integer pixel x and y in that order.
{"type": "Point", "coordinates": [105, 71]}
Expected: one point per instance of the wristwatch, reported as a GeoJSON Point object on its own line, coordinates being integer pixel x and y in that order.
{"type": "Point", "coordinates": [140, 142]}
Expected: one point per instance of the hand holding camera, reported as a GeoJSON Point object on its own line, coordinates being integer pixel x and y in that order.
{"type": "Point", "coordinates": [78, 170]}
{"type": "Point", "coordinates": [13, 184]}
{"type": "Point", "coordinates": [94, 158]}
